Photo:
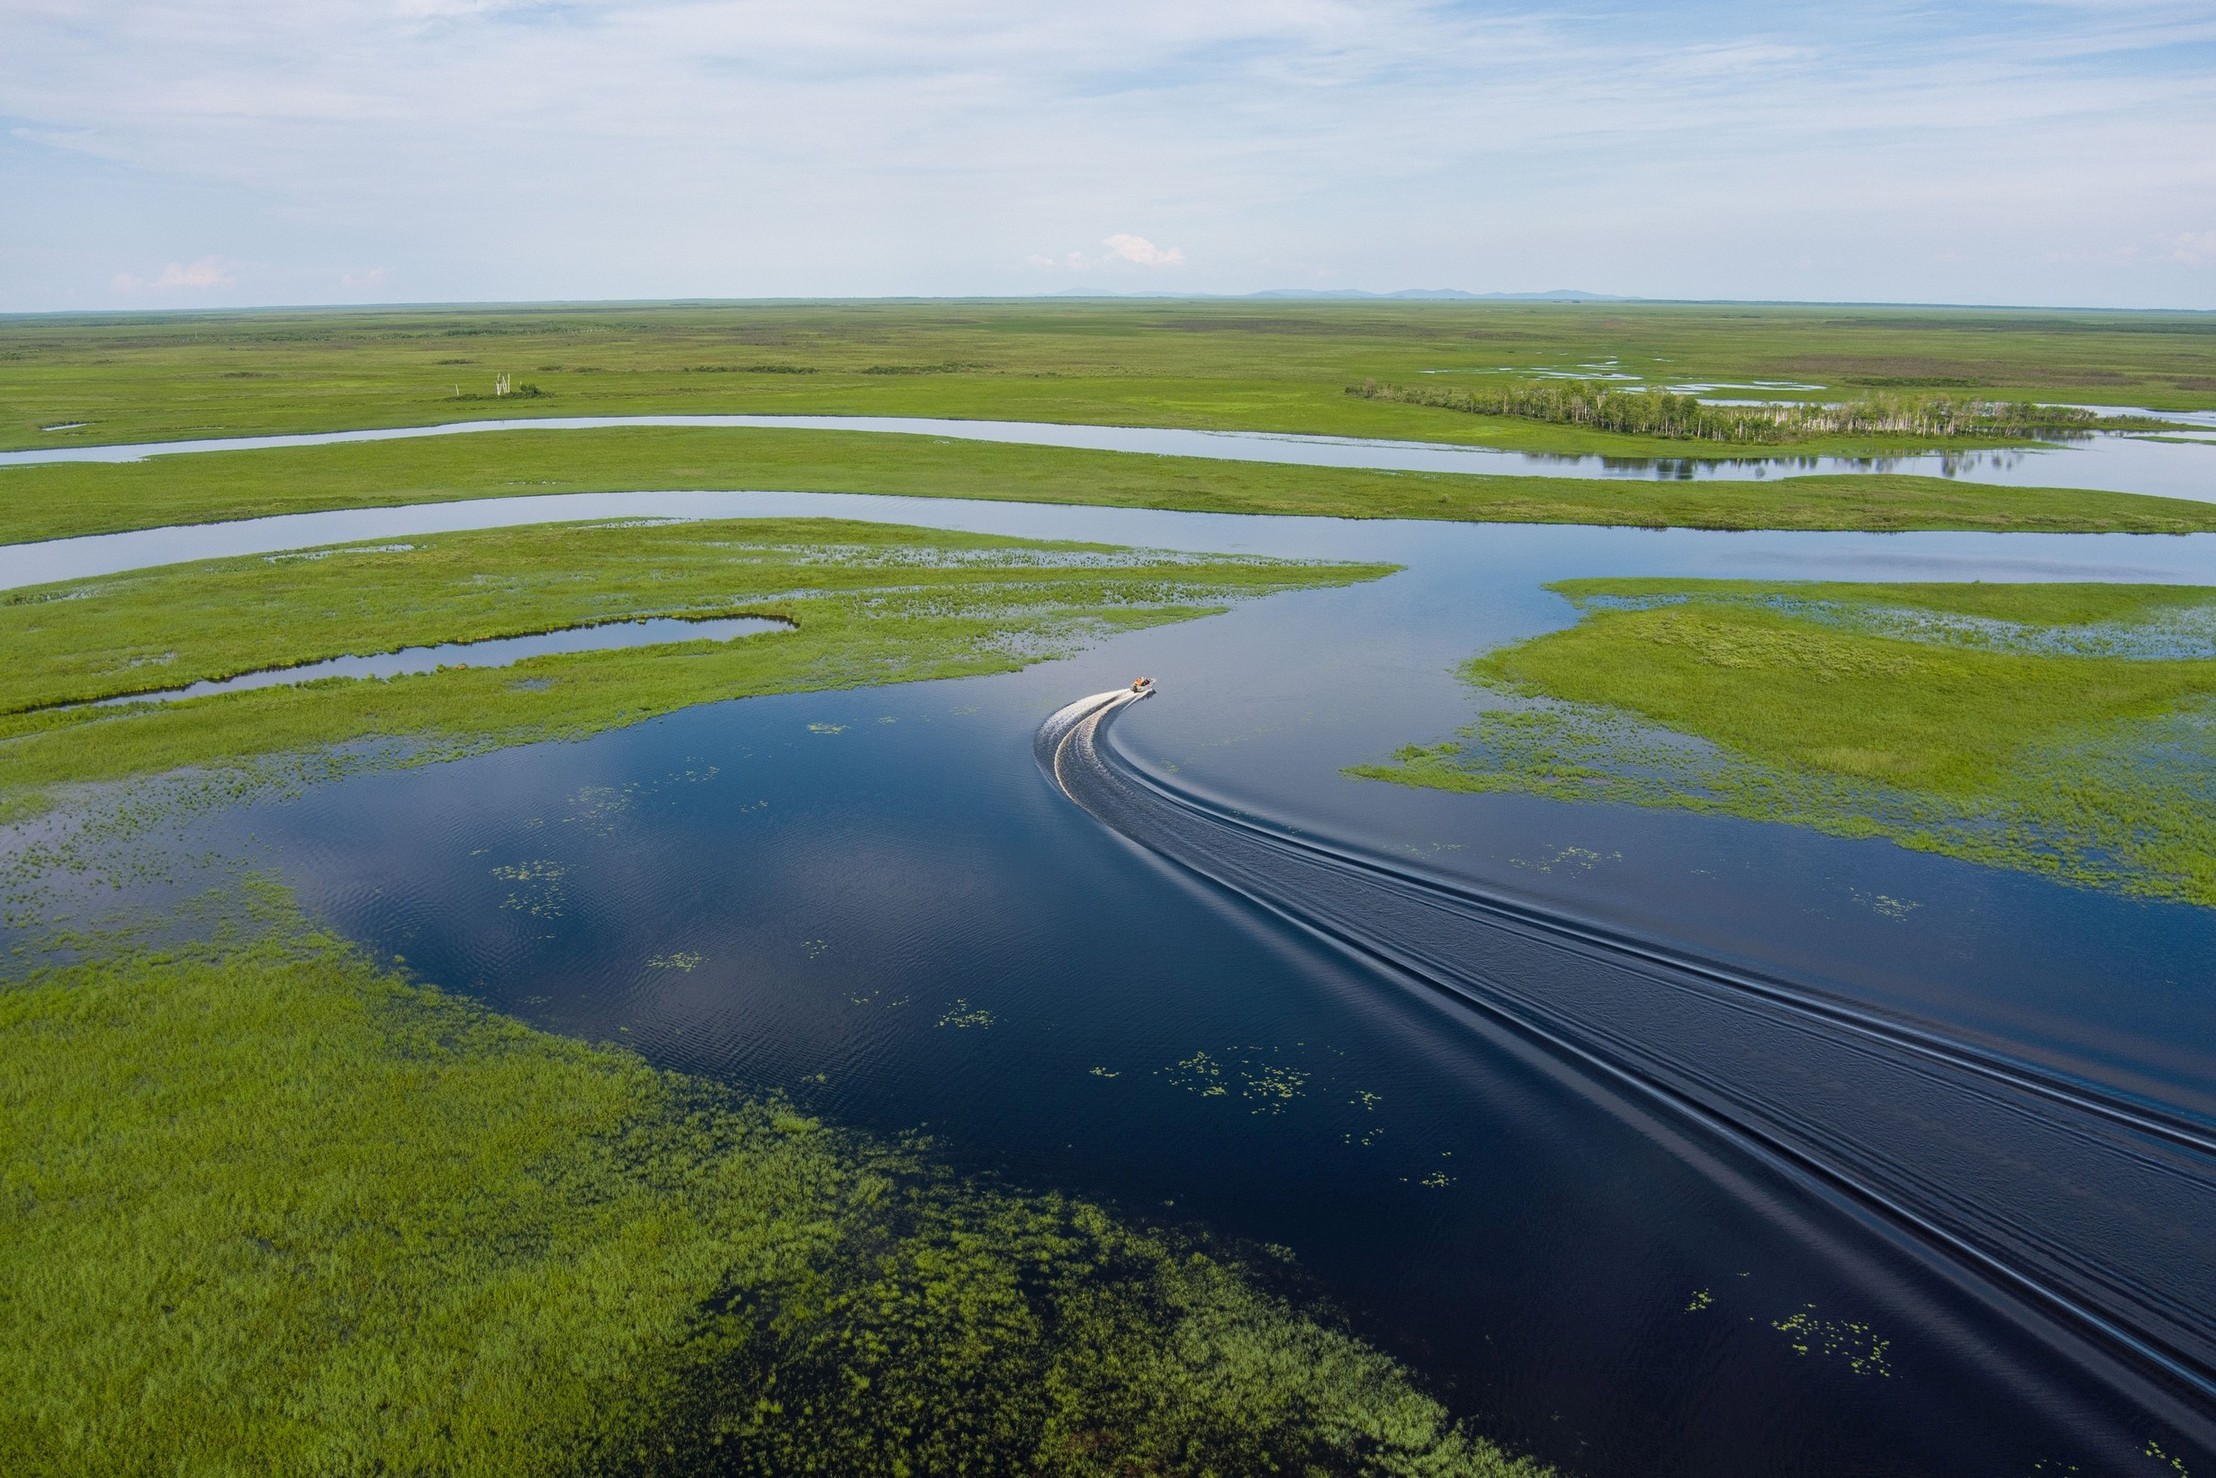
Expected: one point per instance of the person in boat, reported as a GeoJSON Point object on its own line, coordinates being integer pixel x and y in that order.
{"type": "Point", "coordinates": [1142, 685]}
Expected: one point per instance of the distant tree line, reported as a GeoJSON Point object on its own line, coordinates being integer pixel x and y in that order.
{"type": "Point", "coordinates": [1657, 412]}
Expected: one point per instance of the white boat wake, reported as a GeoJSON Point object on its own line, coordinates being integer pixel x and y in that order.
{"type": "Point", "coordinates": [2083, 1211]}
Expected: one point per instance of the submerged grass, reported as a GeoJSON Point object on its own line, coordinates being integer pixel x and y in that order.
{"type": "Point", "coordinates": [57, 501]}
{"type": "Point", "coordinates": [264, 1208]}
{"type": "Point", "coordinates": [1965, 720]}
{"type": "Point", "coordinates": [872, 603]}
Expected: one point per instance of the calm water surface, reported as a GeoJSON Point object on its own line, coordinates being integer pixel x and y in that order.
{"type": "Point", "coordinates": [496, 651]}
{"type": "Point", "coordinates": [875, 903]}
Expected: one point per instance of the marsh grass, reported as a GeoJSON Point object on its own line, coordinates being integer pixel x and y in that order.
{"type": "Point", "coordinates": [872, 603]}
{"type": "Point", "coordinates": [1872, 711]}
{"type": "Point", "coordinates": [265, 1208]}
{"type": "Point", "coordinates": [1277, 366]}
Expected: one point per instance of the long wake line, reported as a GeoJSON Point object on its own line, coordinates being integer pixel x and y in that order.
{"type": "Point", "coordinates": [2090, 1205]}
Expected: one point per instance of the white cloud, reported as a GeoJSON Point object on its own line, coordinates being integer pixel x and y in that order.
{"type": "Point", "coordinates": [77, 140]}
{"type": "Point", "coordinates": [208, 272]}
{"type": "Point", "coordinates": [2195, 249]}
{"type": "Point", "coordinates": [1128, 248]}
{"type": "Point", "coordinates": [365, 282]}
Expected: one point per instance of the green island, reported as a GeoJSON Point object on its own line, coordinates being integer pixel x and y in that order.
{"type": "Point", "coordinates": [2066, 729]}
{"type": "Point", "coordinates": [61, 500]}
{"type": "Point", "coordinates": [1267, 366]}
{"type": "Point", "coordinates": [270, 1206]}
{"type": "Point", "coordinates": [871, 603]}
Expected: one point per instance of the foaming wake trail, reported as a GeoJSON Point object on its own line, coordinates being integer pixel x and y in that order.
{"type": "Point", "coordinates": [2093, 1211]}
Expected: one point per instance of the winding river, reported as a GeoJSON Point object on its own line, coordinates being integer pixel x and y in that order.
{"type": "Point", "coordinates": [2181, 465]}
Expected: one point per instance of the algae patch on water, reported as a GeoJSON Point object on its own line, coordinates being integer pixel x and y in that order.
{"type": "Point", "coordinates": [2066, 730]}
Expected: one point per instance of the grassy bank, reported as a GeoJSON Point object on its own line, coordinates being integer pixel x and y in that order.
{"type": "Point", "coordinates": [267, 1209]}
{"type": "Point", "coordinates": [58, 501]}
{"type": "Point", "coordinates": [2068, 730]}
{"type": "Point", "coordinates": [1275, 366]}
{"type": "Point", "coordinates": [872, 603]}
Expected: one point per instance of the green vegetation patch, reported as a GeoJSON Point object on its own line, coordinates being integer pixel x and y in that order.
{"type": "Point", "coordinates": [1265, 366]}
{"type": "Point", "coordinates": [264, 1208]}
{"type": "Point", "coordinates": [1655, 411]}
{"type": "Point", "coordinates": [871, 603]}
{"type": "Point", "coordinates": [58, 501]}
{"type": "Point", "coordinates": [2068, 730]}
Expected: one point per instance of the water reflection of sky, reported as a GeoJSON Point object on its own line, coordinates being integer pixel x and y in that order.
{"type": "Point", "coordinates": [498, 651]}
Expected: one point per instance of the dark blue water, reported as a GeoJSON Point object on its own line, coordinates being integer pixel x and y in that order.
{"type": "Point", "coordinates": [874, 903]}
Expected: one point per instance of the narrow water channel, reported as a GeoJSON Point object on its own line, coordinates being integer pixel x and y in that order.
{"type": "Point", "coordinates": [498, 651]}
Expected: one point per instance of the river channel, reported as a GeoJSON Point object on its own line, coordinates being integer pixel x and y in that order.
{"type": "Point", "coordinates": [2179, 465]}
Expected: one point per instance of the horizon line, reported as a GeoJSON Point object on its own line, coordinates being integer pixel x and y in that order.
{"type": "Point", "coordinates": [1414, 297]}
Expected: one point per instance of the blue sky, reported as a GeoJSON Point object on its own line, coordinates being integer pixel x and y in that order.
{"type": "Point", "coordinates": [225, 152]}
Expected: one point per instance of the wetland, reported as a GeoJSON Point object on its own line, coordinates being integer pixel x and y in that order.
{"type": "Point", "coordinates": [741, 1056]}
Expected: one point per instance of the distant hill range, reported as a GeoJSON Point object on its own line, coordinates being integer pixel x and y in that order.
{"type": "Point", "coordinates": [1455, 294]}
{"type": "Point", "coordinates": [1556, 295]}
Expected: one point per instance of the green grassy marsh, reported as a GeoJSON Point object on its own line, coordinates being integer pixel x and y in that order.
{"type": "Point", "coordinates": [1273, 366]}
{"type": "Point", "coordinates": [2068, 730]}
{"type": "Point", "coordinates": [265, 1208]}
{"type": "Point", "coordinates": [872, 603]}
{"type": "Point", "coordinates": [62, 500]}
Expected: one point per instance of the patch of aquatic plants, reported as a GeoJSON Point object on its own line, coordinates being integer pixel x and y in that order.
{"type": "Point", "coordinates": [1658, 413]}
{"type": "Point", "coordinates": [871, 604]}
{"type": "Point", "coordinates": [1728, 697]}
{"type": "Point", "coordinates": [270, 1208]}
